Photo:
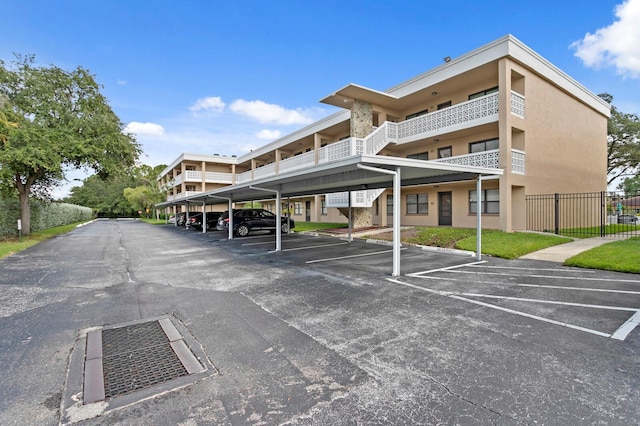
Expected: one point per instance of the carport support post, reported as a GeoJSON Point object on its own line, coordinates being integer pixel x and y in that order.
{"type": "Point", "coordinates": [230, 214]}
{"type": "Point", "coordinates": [204, 217]}
{"type": "Point", "coordinates": [479, 218]}
{"type": "Point", "coordinates": [350, 225]}
{"type": "Point", "coordinates": [278, 214]}
{"type": "Point", "coordinates": [396, 223]}
{"type": "Point", "coordinates": [396, 213]}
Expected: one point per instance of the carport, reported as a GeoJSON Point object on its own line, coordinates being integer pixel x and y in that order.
{"type": "Point", "coordinates": [355, 173]}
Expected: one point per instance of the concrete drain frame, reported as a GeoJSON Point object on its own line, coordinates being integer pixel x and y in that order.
{"type": "Point", "coordinates": [119, 365]}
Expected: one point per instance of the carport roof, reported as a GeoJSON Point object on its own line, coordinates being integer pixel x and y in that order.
{"type": "Point", "coordinates": [342, 175]}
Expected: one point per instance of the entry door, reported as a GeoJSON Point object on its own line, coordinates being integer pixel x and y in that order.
{"type": "Point", "coordinates": [444, 208]}
{"type": "Point", "coordinates": [307, 211]}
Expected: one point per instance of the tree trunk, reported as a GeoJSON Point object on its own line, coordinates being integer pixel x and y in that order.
{"type": "Point", "coordinates": [25, 212]}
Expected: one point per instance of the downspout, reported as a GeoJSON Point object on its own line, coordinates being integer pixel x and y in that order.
{"type": "Point", "coordinates": [278, 214]}
{"type": "Point", "coordinates": [396, 213]}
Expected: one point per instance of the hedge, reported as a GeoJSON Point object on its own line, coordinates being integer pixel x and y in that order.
{"type": "Point", "coordinates": [44, 215]}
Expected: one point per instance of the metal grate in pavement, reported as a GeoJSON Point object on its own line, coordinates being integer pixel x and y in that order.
{"type": "Point", "coordinates": [123, 359]}
{"type": "Point", "coordinates": [136, 357]}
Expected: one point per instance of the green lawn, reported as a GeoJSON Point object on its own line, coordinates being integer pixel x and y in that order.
{"type": "Point", "coordinates": [316, 226]}
{"type": "Point", "coordinates": [623, 256]}
{"type": "Point", "coordinates": [494, 243]}
{"type": "Point", "coordinates": [13, 245]}
{"type": "Point", "coordinates": [594, 231]}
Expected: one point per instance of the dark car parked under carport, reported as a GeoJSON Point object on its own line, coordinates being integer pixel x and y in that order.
{"type": "Point", "coordinates": [248, 220]}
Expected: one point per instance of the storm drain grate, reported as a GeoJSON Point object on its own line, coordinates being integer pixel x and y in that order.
{"type": "Point", "coordinates": [136, 357]}
{"type": "Point", "coordinates": [125, 359]}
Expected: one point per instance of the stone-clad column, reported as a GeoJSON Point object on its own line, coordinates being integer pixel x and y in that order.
{"type": "Point", "coordinates": [361, 119]}
{"type": "Point", "coordinates": [361, 126]}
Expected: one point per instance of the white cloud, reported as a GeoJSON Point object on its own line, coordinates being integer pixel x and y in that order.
{"type": "Point", "coordinates": [144, 129]}
{"type": "Point", "coordinates": [616, 45]}
{"type": "Point", "coordinates": [121, 82]}
{"type": "Point", "coordinates": [267, 134]}
{"type": "Point", "coordinates": [212, 103]}
{"type": "Point", "coordinates": [269, 113]}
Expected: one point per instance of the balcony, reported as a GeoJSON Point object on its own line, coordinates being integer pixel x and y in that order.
{"type": "Point", "coordinates": [209, 177]}
{"type": "Point", "coordinates": [487, 159]}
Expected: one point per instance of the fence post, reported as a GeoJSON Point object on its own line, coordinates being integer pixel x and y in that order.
{"type": "Point", "coordinates": [603, 213]}
{"type": "Point", "coordinates": [557, 213]}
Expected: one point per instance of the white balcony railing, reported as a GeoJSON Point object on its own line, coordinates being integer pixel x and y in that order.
{"type": "Point", "coordinates": [464, 115]}
{"type": "Point", "coordinates": [218, 177]}
{"type": "Point", "coordinates": [358, 198]}
{"type": "Point", "coordinates": [470, 113]}
{"type": "Point", "coordinates": [488, 159]}
{"type": "Point", "coordinates": [298, 162]}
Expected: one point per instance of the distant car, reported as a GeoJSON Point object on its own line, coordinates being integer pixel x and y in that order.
{"type": "Point", "coordinates": [182, 216]}
{"type": "Point", "coordinates": [211, 221]}
{"type": "Point", "coordinates": [248, 220]}
{"type": "Point", "coordinates": [628, 219]}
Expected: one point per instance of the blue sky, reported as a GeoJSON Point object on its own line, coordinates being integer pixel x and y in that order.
{"type": "Point", "coordinates": [226, 77]}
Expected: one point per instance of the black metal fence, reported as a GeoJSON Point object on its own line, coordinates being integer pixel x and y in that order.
{"type": "Point", "coordinates": [587, 214]}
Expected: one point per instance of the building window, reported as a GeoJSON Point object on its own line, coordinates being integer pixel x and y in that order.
{"type": "Point", "coordinates": [390, 205]}
{"type": "Point", "coordinates": [297, 208]}
{"type": "Point", "coordinates": [419, 156]}
{"type": "Point", "coordinates": [417, 204]}
{"type": "Point", "coordinates": [483, 93]}
{"type": "Point", "coordinates": [444, 105]}
{"type": "Point", "coordinates": [483, 145]}
{"type": "Point", "coordinates": [490, 201]}
{"type": "Point", "coordinates": [323, 207]}
{"type": "Point", "coordinates": [190, 188]}
{"type": "Point", "coordinates": [444, 152]}
{"type": "Point", "coordinates": [417, 114]}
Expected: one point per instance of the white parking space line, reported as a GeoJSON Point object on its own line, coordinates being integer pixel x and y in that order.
{"type": "Point", "coordinates": [500, 308]}
{"type": "Point", "coordinates": [550, 302]}
{"type": "Point", "coordinates": [448, 268]}
{"type": "Point", "coordinates": [603, 290]}
{"type": "Point", "coordinates": [351, 256]}
{"type": "Point", "coordinates": [556, 277]}
{"type": "Point", "coordinates": [517, 268]}
{"type": "Point", "coordinates": [626, 328]}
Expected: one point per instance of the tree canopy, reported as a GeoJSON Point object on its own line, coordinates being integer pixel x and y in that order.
{"type": "Point", "coordinates": [623, 143]}
{"type": "Point", "coordinates": [52, 120]}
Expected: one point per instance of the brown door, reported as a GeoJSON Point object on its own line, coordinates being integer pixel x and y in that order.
{"type": "Point", "coordinates": [444, 208]}
{"type": "Point", "coordinates": [307, 211]}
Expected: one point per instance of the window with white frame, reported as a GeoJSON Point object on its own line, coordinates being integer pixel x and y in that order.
{"type": "Point", "coordinates": [323, 207]}
{"type": "Point", "coordinates": [417, 204]}
{"type": "Point", "coordinates": [390, 205]}
{"type": "Point", "coordinates": [490, 201]}
{"type": "Point", "coordinates": [297, 208]}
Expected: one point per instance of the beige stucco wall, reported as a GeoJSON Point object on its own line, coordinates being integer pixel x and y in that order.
{"type": "Point", "coordinates": [565, 142]}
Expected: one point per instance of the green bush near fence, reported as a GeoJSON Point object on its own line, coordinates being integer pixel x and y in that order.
{"type": "Point", "coordinates": [43, 215]}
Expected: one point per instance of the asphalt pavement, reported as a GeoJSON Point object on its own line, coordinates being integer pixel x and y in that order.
{"type": "Point", "coordinates": [319, 333]}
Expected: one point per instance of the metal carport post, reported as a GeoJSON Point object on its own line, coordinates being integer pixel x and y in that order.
{"type": "Point", "coordinates": [396, 213]}
{"type": "Point", "coordinates": [230, 235]}
{"type": "Point", "coordinates": [278, 214]}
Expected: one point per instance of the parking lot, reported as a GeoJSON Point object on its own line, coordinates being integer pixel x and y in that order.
{"type": "Point", "coordinates": [605, 304]}
{"type": "Point", "coordinates": [318, 333]}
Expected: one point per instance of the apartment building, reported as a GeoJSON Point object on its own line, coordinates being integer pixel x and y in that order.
{"type": "Point", "coordinates": [470, 137]}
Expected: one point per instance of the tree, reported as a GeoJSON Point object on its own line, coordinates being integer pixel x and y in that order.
{"type": "Point", "coordinates": [62, 122]}
{"type": "Point", "coordinates": [630, 186]}
{"type": "Point", "coordinates": [623, 143]}
{"type": "Point", "coordinates": [147, 194]}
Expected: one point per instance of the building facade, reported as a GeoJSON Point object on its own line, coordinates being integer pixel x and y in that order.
{"type": "Point", "coordinates": [501, 106]}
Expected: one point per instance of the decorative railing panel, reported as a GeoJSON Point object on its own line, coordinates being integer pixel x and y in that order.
{"type": "Point", "coordinates": [264, 171]}
{"type": "Point", "coordinates": [486, 107]}
{"type": "Point", "coordinates": [299, 161]}
{"type": "Point", "coordinates": [517, 104]}
{"type": "Point", "coordinates": [517, 161]}
{"type": "Point", "coordinates": [488, 159]}
{"type": "Point", "coordinates": [218, 177]}
{"type": "Point", "coordinates": [193, 175]}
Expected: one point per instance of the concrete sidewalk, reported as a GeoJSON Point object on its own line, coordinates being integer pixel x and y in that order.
{"type": "Point", "coordinates": [562, 252]}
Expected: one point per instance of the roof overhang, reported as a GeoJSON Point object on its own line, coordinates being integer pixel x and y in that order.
{"type": "Point", "coordinates": [344, 97]}
{"type": "Point", "coordinates": [342, 175]}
